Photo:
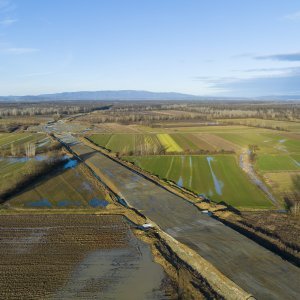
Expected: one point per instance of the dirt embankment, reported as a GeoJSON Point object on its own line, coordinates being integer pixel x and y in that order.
{"type": "Point", "coordinates": [195, 276]}
{"type": "Point", "coordinates": [280, 244]}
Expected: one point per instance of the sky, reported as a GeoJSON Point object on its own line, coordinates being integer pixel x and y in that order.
{"type": "Point", "coordinates": [201, 47]}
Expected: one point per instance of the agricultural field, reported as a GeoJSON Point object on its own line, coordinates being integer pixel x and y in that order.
{"type": "Point", "coordinates": [20, 139]}
{"type": "Point", "coordinates": [268, 142]}
{"type": "Point", "coordinates": [22, 154]}
{"type": "Point", "coordinates": [162, 142]}
{"type": "Point", "coordinates": [10, 170]}
{"type": "Point", "coordinates": [126, 143]}
{"type": "Point", "coordinates": [218, 177]}
{"type": "Point", "coordinates": [209, 138]}
{"type": "Point", "coordinates": [278, 151]}
{"type": "Point", "coordinates": [12, 124]}
{"type": "Point", "coordinates": [66, 187]}
{"type": "Point", "coordinates": [283, 125]}
{"type": "Point", "coordinates": [268, 163]}
{"type": "Point", "coordinates": [284, 184]}
{"type": "Point", "coordinates": [77, 256]}
{"type": "Point", "coordinates": [168, 143]}
{"type": "Point", "coordinates": [281, 173]}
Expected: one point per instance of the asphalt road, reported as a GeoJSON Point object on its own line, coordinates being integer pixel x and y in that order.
{"type": "Point", "coordinates": [254, 268]}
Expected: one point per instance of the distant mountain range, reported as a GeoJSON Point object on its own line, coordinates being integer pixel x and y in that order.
{"type": "Point", "coordinates": [103, 95]}
{"type": "Point", "coordinates": [133, 95]}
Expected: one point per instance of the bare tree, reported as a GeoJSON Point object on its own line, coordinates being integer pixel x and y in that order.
{"type": "Point", "coordinates": [30, 149]}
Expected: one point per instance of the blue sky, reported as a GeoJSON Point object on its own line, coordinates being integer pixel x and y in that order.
{"type": "Point", "coordinates": [202, 47]}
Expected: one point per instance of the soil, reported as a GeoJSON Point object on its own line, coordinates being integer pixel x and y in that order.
{"type": "Point", "coordinates": [283, 226]}
{"type": "Point", "coordinates": [82, 256]}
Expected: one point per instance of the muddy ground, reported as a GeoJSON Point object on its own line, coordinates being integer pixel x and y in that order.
{"type": "Point", "coordinates": [283, 226]}
{"type": "Point", "coordinates": [82, 256]}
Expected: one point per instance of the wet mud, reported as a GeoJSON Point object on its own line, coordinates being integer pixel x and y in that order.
{"type": "Point", "coordinates": [77, 256]}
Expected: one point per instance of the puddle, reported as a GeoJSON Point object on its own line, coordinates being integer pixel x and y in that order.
{"type": "Point", "coordinates": [180, 182]}
{"type": "Point", "coordinates": [40, 157]}
{"type": "Point", "coordinates": [124, 273]}
{"type": "Point", "coordinates": [71, 163]}
{"type": "Point", "coordinates": [12, 160]}
{"type": "Point", "coordinates": [98, 203]}
{"type": "Point", "coordinates": [191, 170]}
{"type": "Point", "coordinates": [40, 203]}
{"type": "Point", "coordinates": [86, 186]}
{"type": "Point", "coordinates": [67, 203]}
{"type": "Point", "coordinates": [217, 183]}
{"type": "Point", "coordinates": [296, 163]}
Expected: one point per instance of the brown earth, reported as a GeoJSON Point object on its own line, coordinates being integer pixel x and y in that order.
{"type": "Point", "coordinates": [282, 226]}
{"type": "Point", "coordinates": [87, 256]}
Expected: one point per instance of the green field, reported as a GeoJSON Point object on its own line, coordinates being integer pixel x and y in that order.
{"type": "Point", "coordinates": [10, 171]}
{"type": "Point", "coordinates": [267, 142]}
{"type": "Point", "coordinates": [18, 140]}
{"type": "Point", "coordinates": [217, 177]}
{"type": "Point", "coordinates": [283, 183]}
{"type": "Point", "coordinates": [278, 163]}
{"type": "Point", "coordinates": [171, 143]}
{"type": "Point", "coordinates": [126, 143]}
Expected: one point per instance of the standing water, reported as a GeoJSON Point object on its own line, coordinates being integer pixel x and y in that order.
{"type": "Point", "coordinates": [217, 183]}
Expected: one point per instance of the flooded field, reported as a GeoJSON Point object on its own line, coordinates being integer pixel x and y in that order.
{"type": "Point", "coordinates": [82, 256]}
{"type": "Point", "coordinates": [66, 187]}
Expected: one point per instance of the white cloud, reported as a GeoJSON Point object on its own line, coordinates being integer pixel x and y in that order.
{"type": "Point", "coordinates": [293, 17]}
{"type": "Point", "coordinates": [14, 50]}
{"type": "Point", "coordinates": [8, 22]}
